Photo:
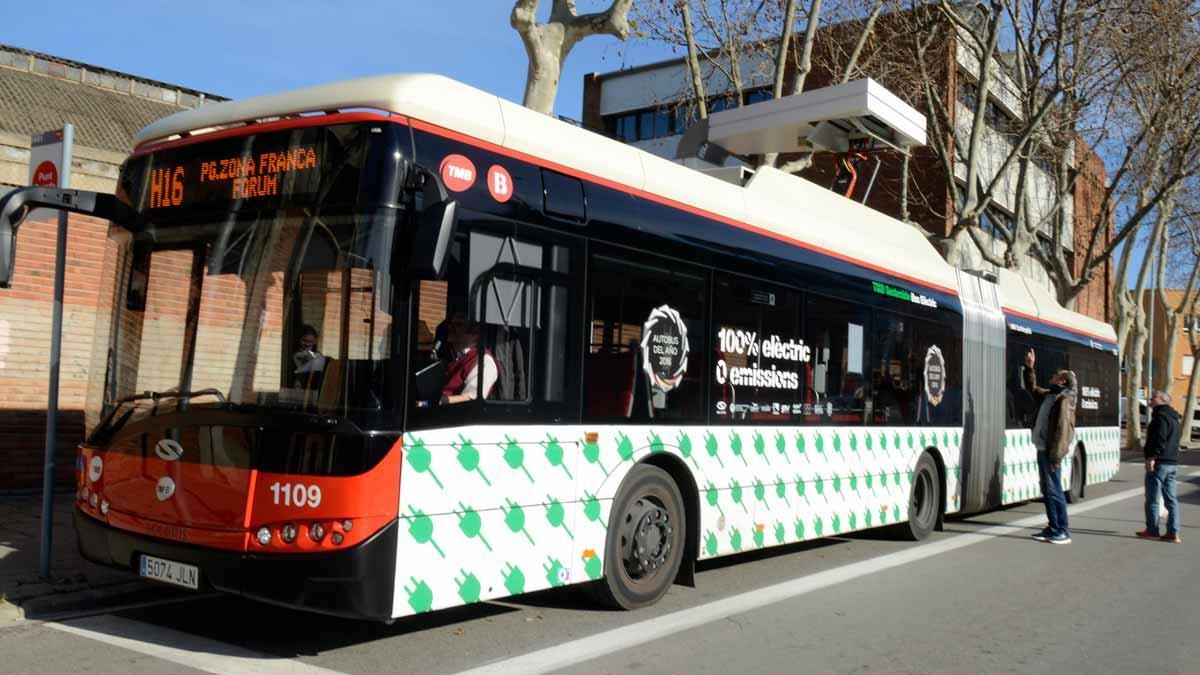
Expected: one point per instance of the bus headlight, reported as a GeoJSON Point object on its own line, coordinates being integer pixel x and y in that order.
{"type": "Point", "coordinates": [316, 532]}
{"type": "Point", "coordinates": [94, 499]}
{"type": "Point", "coordinates": [347, 525]}
{"type": "Point", "coordinates": [104, 507]}
{"type": "Point", "coordinates": [288, 533]}
{"type": "Point", "coordinates": [264, 536]}
{"type": "Point", "coordinates": [336, 538]}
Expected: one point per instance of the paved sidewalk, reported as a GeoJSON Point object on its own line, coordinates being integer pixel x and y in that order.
{"type": "Point", "coordinates": [74, 584]}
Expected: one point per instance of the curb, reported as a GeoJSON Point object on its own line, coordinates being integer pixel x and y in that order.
{"type": "Point", "coordinates": [83, 601]}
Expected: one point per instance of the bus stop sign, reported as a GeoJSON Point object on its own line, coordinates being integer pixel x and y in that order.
{"type": "Point", "coordinates": [50, 159]}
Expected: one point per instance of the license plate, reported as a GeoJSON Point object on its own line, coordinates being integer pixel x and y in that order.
{"type": "Point", "coordinates": [170, 572]}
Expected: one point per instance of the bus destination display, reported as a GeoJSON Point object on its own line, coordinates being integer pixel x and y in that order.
{"type": "Point", "coordinates": [258, 174]}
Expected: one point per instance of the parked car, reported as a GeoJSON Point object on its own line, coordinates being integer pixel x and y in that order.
{"type": "Point", "coordinates": [1144, 414]}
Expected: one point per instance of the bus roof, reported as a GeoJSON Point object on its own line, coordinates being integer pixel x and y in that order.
{"type": "Point", "coordinates": [1024, 298]}
{"type": "Point", "coordinates": [781, 206]}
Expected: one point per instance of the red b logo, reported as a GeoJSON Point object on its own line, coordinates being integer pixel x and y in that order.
{"type": "Point", "coordinates": [499, 183]}
{"type": "Point", "coordinates": [458, 173]}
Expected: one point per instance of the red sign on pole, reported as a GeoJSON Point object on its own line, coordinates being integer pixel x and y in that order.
{"type": "Point", "coordinates": [45, 174]}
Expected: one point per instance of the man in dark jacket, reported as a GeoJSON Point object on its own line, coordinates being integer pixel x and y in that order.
{"type": "Point", "coordinates": [1053, 433]}
{"type": "Point", "coordinates": [1162, 462]}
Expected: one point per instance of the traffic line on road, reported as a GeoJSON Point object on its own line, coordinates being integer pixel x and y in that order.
{"type": "Point", "coordinates": [611, 641]}
{"type": "Point", "coordinates": [185, 649]}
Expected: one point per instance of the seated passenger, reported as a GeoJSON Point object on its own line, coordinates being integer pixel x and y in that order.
{"type": "Point", "coordinates": [309, 362]}
{"type": "Point", "coordinates": [462, 375]}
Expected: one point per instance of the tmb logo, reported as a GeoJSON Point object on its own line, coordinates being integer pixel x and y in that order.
{"type": "Point", "coordinates": [458, 173]}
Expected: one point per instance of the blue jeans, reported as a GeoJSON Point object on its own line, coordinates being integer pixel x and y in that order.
{"type": "Point", "coordinates": [1052, 493]}
{"type": "Point", "coordinates": [1162, 479]}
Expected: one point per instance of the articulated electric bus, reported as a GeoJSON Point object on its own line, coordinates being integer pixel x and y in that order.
{"type": "Point", "coordinates": [394, 345]}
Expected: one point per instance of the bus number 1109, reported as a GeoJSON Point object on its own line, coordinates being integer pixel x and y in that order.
{"type": "Point", "coordinates": [296, 494]}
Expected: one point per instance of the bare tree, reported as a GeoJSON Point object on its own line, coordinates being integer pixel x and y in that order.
{"type": "Point", "coordinates": [1189, 407]}
{"type": "Point", "coordinates": [1151, 137]}
{"type": "Point", "coordinates": [735, 45]}
{"type": "Point", "coordinates": [548, 44]}
{"type": "Point", "coordinates": [1134, 333]}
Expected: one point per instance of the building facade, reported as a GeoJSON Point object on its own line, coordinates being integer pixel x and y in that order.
{"type": "Point", "coordinates": [649, 107]}
{"type": "Point", "coordinates": [1171, 372]}
{"type": "Point", "coordinates": [39, 93]}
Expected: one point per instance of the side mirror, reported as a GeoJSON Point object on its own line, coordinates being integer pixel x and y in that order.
{"type": "Point", "coordinates": [431, 241]}
{"type": "Point", "coordinates": [8, 250]}
{"type": "Point", "coordinates": [435, 226]}
{"type": "Point", "coordinates": [17, 204]}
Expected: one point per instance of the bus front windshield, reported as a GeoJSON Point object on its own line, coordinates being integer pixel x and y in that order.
{"type": "Point", "coordinates": [282, 305]}
{"type": "Point", "coordinates": [292, 315]}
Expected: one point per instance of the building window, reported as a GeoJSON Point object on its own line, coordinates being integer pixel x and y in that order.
{"type": "Point", "coordinates": [996, 223]}
{"type": "Point", "coordinates": [1189, 362]}
{"type": "Point", "coordinates": [968, 93]}
{"type": "Point", "coordinates": [670, 119]}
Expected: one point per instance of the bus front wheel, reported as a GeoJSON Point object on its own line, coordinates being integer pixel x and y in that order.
{"type": "Point", "coordinates": [645, 547]}
{"type": "Point", "coordinates": [924, 500]}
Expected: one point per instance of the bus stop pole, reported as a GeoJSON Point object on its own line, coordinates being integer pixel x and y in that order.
{"type": "Point", "coordinates": [60, 263]}
{"type": "Point", "coordinates": [60, 258]}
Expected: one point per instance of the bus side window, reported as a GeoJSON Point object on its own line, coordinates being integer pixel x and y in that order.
{"type": "Point", "coordinates": [836, 332]}
{"type": "Point", "coordinates": [762, 364]}
{"type": "Point", "coordinates": [647, 346]}
{"type": "Point", "coordinates": [893, 383]}
{"type": "Point", "coordinates": [492, 339]}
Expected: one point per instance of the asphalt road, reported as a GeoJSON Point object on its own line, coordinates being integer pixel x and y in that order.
{"type": "Point", "coordinates": [979, 597]}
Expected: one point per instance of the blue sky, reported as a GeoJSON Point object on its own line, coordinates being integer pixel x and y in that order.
{"type": "Point", "coordinates": [240, 49]}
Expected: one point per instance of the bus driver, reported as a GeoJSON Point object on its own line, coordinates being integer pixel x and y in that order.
{"type": "Point", "coordinates": [462, 375]}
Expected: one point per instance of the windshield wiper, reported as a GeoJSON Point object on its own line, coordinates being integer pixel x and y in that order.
{"type": "Point", "coordinates": [109, 426]}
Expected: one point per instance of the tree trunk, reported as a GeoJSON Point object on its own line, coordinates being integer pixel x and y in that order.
{"type": "Point", "coordinates": [1189, 406]}
{"type": "Point", "coordinates": [545, 69]}
{"type": "Point", "coordinates": [1133, 378]}
{"type": "Point", "coordinates": [548, 44]}
{"type": "Point", "coordinates": [956, 248]}
{"type": "Point", "coordinates": [693, 60]}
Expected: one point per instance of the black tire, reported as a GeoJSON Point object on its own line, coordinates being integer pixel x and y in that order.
{"type": "Point", "coordinates": [924, 500]}
{"type": "Point", "coordinates": [646, 535]}
{"type": "Point", "coordinates": [1078, 477]}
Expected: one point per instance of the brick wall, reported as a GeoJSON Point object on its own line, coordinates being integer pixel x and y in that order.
{"type": "Point", "coordinates": [1095, 299]}
{"type": "Point", "coordinates": [25, 317]}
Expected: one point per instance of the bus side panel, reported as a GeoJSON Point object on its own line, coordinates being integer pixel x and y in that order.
{"type": "Point", "coordinates": [486, 512]}
{"type": "Point", "coordinates": [1102, 445]}
{"type": "Point", "coordinates": [490, 511]}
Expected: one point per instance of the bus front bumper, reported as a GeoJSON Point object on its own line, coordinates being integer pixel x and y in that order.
{"type": "Point", "coordinates": [355, 582]}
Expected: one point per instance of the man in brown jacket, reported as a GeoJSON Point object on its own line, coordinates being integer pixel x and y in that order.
{"type": "Point", "coordinates": [1053, 432]}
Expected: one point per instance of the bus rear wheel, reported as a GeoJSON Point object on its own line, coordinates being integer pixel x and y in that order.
{"type": "Point", "coordinates": [924, 500]}
{"type": "Point", "coordinates": [1078, 475]}
{"type": "Point", "coordinates": [645, 546]}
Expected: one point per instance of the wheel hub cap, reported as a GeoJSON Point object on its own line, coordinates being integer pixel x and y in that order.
{"type": "Point", "coordinates": [647, 534]}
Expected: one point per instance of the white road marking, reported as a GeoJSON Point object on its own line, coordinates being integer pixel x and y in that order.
{"type": "Point", "coordinates": [185, 649]}
{"type": "Point", "coordinates": [611, 641]}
